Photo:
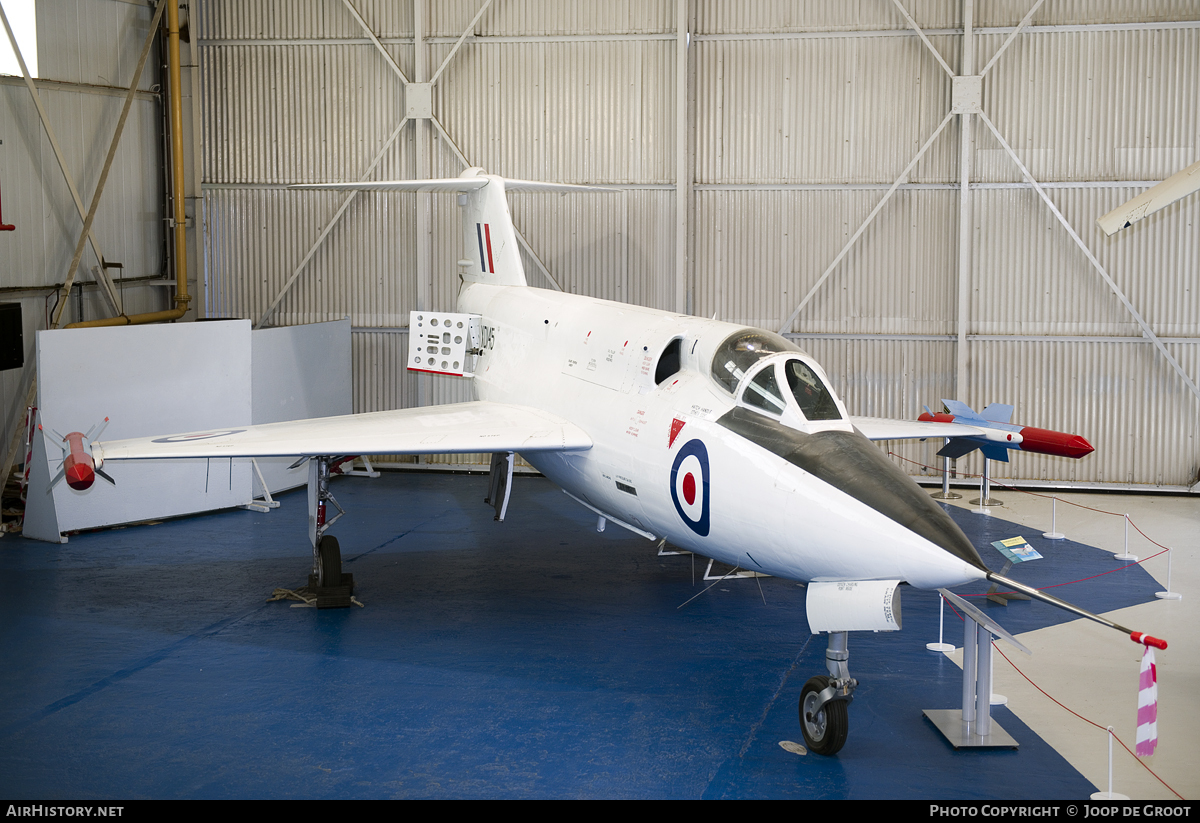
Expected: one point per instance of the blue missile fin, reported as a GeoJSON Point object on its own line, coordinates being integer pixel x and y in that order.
{"type": "Point", "coordinates": [957, 447]}
{"type": "Point", "coordinates": [997, 413]}
{"type": "Point", "coordinates": [962, 412]}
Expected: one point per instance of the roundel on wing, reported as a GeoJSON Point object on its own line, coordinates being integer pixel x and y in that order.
{"type": "Point", "coordinates": [689, 486]}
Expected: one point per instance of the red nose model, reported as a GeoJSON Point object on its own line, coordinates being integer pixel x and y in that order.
{"type": "Point", "coordinates": [1003, 435]}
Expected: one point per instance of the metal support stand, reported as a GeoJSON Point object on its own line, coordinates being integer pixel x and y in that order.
{"type": "Point", "coordinates": [663, 551]}
{"type": "Point", "coordinates": [940, 645]}
{"type": "Point", "coordinates": [1054, 533]}
{"type": "Point", "coordinates": [985, 498]}
{"type": "Point", "coordinates": [1125, 555]}
{"type": "Point", "coordinates": [995, 596]}
{"type": "Point", "coordinates": [945, 493]}
{"type": "Point", "coordinates": [366, 471]}
{"type": "Point", "coordinates": [1168, 594]}
{"type": "Point", "coordinates": [972, 726]}
{"type": "Point", "coordinates": [737, 573]}
{"type": "Point", "coordinates": [268, 502]}
{"type": "Point", "coordinates": [1110, 794]}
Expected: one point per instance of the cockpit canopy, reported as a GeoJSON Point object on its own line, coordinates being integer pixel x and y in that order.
{"type": "Point", "coordinates": [736, 367]}
{"type": "Point", "coordinates": [741, 350]}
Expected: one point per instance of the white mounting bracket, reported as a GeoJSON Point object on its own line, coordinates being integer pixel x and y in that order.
{"type": "Point", "coordinates": [967, 94]}
{"type": "Point", "coordinates": [734, 575]}
{"type": "Point", "coordinates": [268, 502]}
{"type": "Point", "coordinates": [418, 101]}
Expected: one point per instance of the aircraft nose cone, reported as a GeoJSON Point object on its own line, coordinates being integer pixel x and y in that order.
{"type": "Point", "coordinates": [850, 462]}
{"type": "Point", "coordinates": [854, 465]}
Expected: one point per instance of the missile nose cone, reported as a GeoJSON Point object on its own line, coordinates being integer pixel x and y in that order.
{"type": "Point", "coordinates": [1078, 447]}
{"type": "Point", "coordinates": [1062, 444]}
{"type": "Point", "coordinates": [80, 474]}
{"type": "Point", "coordinates": [78, 466]}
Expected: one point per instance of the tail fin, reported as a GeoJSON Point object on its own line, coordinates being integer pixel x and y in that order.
{"type": "Point", "coordinates": [489, 239]}
{"type": "Point", "coordinates": [490, 250]}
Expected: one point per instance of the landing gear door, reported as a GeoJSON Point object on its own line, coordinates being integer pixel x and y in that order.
{"type": "Point", "coordinates": [853, 605]}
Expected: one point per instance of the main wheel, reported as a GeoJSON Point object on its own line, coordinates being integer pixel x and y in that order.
{"type": "Point", "coordinates": [824, 729]}
{"type": "Point", "coordinates": [329, 554]}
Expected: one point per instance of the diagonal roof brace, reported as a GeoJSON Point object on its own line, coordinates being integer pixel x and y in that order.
{"type": "Point", "coordinates": [1147, 332]}
{"type": "Point", "coordinates": [418, 103]}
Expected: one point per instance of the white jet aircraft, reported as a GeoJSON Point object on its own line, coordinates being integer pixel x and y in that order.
{"type": "Point", "coordinates": [727, 441]}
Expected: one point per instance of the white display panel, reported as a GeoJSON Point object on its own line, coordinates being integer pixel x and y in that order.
{"type": "Point", "coordinates": [298, 372]}
{"type": "Point", "coordinates": [147, 380]}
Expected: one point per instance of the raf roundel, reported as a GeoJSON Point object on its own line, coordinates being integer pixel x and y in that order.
{"type": "Point", "coordinates": [689, 486]}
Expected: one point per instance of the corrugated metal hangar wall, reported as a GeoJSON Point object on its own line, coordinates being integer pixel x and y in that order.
{"type": "Point", "coordinates": [89, 53]}
{"type": "Point", "coordinates": [750, 142]}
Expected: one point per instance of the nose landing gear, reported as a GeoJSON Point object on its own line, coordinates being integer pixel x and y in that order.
{"type": "Point", "coordinates": [824, 701]}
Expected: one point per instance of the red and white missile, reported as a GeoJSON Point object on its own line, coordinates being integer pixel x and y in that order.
{"type": "Point", "coordinates": [80, 466]}
{"type": "Point", "coordinates": [999, 435]}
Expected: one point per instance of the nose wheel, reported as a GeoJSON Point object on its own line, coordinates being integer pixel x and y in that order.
{"type": "Point", "coordinates": [824, 700]}
{"type": "Point", "coordinates": [825, 726]}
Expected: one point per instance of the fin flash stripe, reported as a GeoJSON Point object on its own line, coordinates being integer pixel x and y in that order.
{"type": "Point", "coordinates": [483, 233]}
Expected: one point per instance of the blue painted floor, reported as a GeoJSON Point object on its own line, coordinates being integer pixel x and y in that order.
{"type": "Point", "coordinates": [531, 658]}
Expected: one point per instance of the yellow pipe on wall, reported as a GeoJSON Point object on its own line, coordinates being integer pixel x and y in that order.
{"type": "Point", "coordinates": [182, 298]}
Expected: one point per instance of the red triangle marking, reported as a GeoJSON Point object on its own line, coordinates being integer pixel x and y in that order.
{"type": "Point", "coordinates": [676, 427]}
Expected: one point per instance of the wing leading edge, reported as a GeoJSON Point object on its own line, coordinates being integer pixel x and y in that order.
{"type": "Point", "coordinates": [452, 429]}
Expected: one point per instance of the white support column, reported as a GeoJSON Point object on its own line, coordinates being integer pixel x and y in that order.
{"type": "Point", "coordinates": [682, 167]}
{"type": "Point", "coordinates": [424, 204]}
{"type": "Point", "coordinates": [964, 208]}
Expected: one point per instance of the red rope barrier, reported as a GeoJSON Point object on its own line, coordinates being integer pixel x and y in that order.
{"type": "Point", "coordinates": [1058, 703]}
{"type": "Point", "coordinates": [1070, 710]}
{"type": "Point", "coordinates": [1055, 497]}
{"type": "Point", "coordinates": [1086, 720]}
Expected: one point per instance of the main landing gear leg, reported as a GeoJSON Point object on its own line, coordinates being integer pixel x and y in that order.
{"type": "Point", "coordinates": [500, 483]}
{"type": "Point", "coordinates": [824, 700]}
{"type": "Point", "coordinates": [332, 587]}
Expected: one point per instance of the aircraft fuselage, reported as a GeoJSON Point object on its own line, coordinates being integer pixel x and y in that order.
{"type": "Point", "coordinates": [677, 456]}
